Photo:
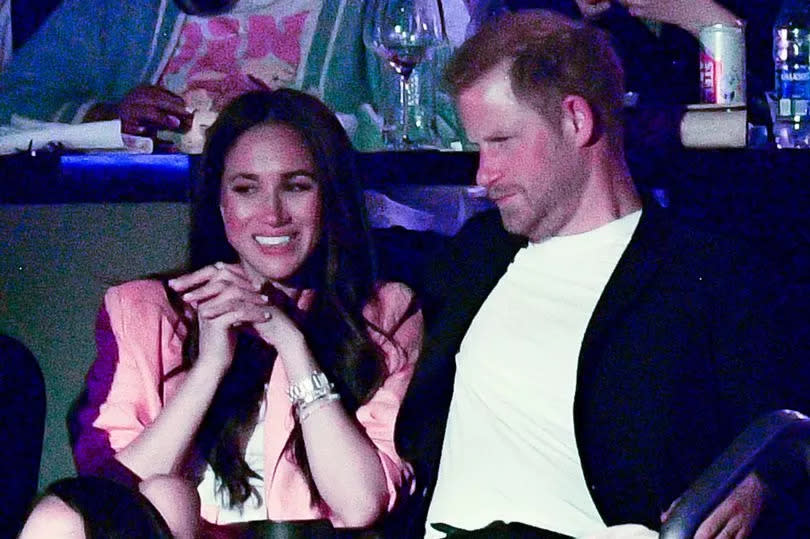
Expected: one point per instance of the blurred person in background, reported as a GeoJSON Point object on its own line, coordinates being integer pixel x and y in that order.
{"type": "Point", "coordinates": [152, 63]}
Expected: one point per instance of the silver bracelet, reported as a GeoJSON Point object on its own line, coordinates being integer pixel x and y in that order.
{"type": "Point", "coordinates": [303, 411]}
{"type": "Point", "coordinates": [310, 389]}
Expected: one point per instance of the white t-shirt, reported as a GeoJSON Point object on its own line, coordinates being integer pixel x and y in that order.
{"type": "Point", "coordinates": [509, 450]}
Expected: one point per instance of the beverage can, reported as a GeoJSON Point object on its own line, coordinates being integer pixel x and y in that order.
{"type": "Point", "coordinates": [722, 64]}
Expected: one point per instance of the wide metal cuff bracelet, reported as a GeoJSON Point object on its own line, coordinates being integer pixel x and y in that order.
{"type": "Point", "coordinates": [310, 389]}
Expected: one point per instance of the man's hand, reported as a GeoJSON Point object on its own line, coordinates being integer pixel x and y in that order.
{"type": "Point", "coordinates": [736, 516]}
{"type": "Point", "coordinates": [148, 109]}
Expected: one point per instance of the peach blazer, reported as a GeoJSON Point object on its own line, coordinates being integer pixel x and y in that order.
{"type": "Point", "coordinates": [139, 339]}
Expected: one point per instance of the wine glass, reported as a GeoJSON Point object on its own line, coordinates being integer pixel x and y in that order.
{"type": "Point", "coordinates": [403, 33]}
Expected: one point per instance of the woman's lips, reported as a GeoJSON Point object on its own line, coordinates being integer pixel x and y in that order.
{"type": "Point", "coordinates": [272, 241]}
{"type": "Point", "coordinates": [275, 244]}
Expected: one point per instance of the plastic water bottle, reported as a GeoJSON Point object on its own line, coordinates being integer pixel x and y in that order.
{"type": "Point", "coordinates": [791, 57]}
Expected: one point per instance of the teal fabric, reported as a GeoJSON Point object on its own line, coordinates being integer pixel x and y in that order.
{"type": "Point", "coordinates": [92, 51]}
{"type": "Point", "coordinates": [87, 51]}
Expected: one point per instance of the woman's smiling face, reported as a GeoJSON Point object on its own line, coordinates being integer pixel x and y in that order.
{"type": "Point", "coordinates": [270, 202]}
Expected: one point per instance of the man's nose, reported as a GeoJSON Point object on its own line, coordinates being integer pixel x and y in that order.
{"type": "Point", "coordinates": [487, 170]}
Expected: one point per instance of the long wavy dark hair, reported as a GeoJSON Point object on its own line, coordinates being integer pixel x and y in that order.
{"type": "Point", "coordinates": [341, 271]}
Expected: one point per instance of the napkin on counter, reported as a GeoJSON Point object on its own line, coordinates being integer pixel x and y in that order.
{"type": "Point", "coordinates": [24, 134]}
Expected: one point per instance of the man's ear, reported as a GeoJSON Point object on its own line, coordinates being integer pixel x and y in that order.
{"type": "Point", "coordinates": [578, 120]}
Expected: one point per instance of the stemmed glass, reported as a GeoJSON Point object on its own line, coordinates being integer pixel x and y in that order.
{"type": "Point", "coordinates": [403, 33]}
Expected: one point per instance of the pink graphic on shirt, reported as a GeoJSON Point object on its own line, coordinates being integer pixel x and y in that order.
{"type": "Point", "coordinates": [220, 59]}
{"type": "Point", "coordinates": [191, 40]}
{"type": "Point", "coordinates": [223, 27]}
{"type": "Point", "coordinates": [264, 37]}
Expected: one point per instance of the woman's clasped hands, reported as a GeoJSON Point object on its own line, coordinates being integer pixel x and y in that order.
{"type": "Point", "coordinates": [224, 298]}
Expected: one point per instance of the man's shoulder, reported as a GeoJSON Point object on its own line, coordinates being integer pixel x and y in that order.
{"type": "Point", "coordinates": [462, 276]}
{"type": "Point", "coordinates": [484, 242]}
{"type": "Point", "coordinates": [485, 227]}
{"type": "Point", "coordinates": [480, 251]}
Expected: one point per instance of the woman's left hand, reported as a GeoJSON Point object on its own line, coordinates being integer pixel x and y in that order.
{"type": "Point", "coordinates": [280, 331]}
{"type": "Point", "coordinates": [283, 333]}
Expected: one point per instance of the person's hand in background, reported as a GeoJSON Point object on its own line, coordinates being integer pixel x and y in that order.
{"type": "Point", "coordinates": [691, 15]}
{"type": "Point", "coordinates": [592, 8]}
{"type": "Point", "coordinates": [145, 110]}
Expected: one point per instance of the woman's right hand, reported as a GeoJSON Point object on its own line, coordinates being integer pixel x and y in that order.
{"type": "Point", "coordinates": [223, 297]}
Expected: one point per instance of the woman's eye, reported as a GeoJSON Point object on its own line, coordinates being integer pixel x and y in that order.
{"type": "Point", "coordinates": [304, 185]}
{"type": "Point", "coordinates": [243, 188]}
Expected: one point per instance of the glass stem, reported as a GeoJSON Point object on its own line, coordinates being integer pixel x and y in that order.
{"type": "Point", "coordinates": [403, 113]}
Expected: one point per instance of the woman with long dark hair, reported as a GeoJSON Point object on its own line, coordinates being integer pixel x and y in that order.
{"type": "Point", "coordinates": [272, 373]}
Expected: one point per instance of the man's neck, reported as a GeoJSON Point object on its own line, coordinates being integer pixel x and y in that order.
{"type": "Point", "coordinates": [609, 194]}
